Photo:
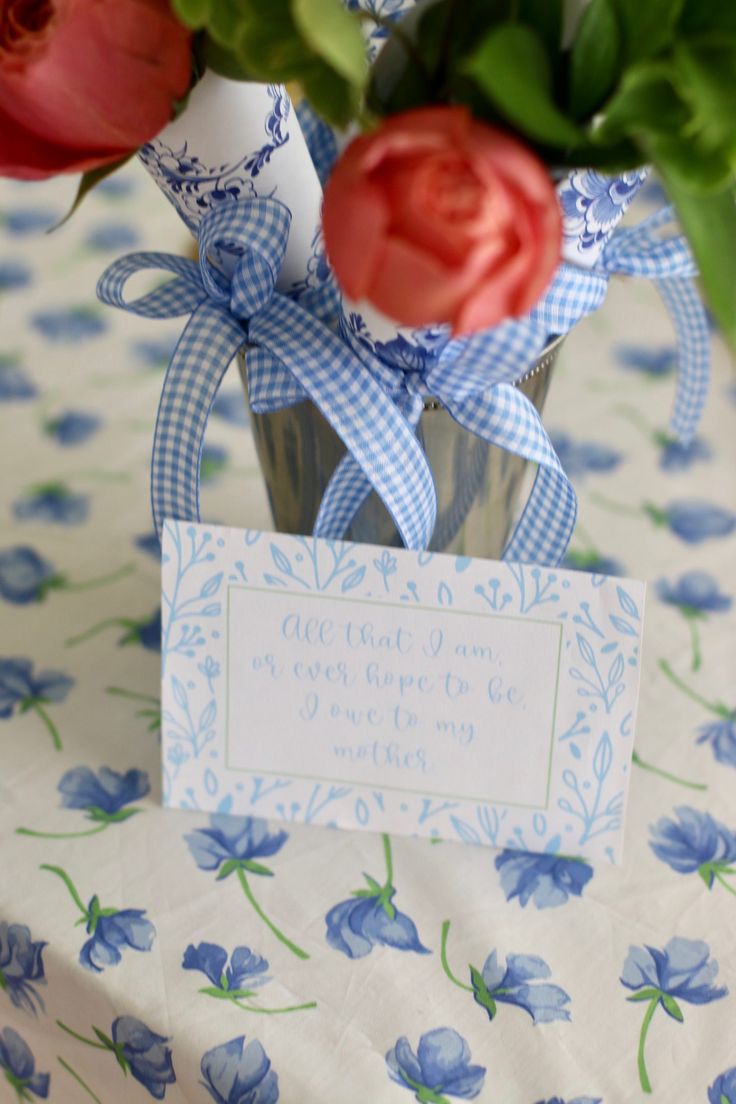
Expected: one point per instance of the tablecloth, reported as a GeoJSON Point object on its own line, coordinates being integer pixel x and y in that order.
{"type": "Point", "coordinates": [131, 967]}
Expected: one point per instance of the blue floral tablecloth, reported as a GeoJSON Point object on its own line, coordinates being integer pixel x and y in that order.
{"type": "Point", "coordinates": [139, 954]}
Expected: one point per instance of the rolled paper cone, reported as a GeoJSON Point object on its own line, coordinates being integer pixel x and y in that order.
{"type": "Point", "coordinates": [236, 140]}
{"type": "Point", "coordinates": [592, 207]}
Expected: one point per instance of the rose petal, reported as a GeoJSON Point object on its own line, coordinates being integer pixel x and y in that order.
{"type": "Point", "coordinates": [354, 221]}
{"type": "Point", "coordinates": [415, 288]}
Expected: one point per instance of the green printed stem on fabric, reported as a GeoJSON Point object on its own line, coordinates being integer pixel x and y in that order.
{"type": "Point", "coordinates": [640, 1058]}
{"type": "Point", "coordinates": [423, 1093]}
{"type": "Point", "coordinates": [53, 731]}
{"type": "Point", "coordinates": [639, 762]}
{"type": "Point", "coordinates": [718, 708]}
{"type": "Point", "coordinates": [73, 893]}
{"type": "Point", "coordinates": [719, 874]}
{"type": "Point", "coordinates": [98, 581]}
{"type": "Point", "coordinates": [83, 1038]}
{"type": "Point", "coordinates": [80, 1081]}
{"type": "Point", "coordinates": [445, 963]}
{"type": "Point", "coordinates": [151, 712]}
{"type": "Point", "coordinates": [267, 921]}
{"type": "Point", "coordinates": [108, 623]}
{"type": "Point", "coordinates": [103, 820]}
{"type": "Point", "coordinates": [618, 507]}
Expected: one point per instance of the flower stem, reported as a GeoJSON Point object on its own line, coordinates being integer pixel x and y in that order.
{"type": "Point", "coordinates": [639, 762]}
{"type": "Point", "coordinates": [614, 507]}
{"type": "Point", "coordinates": [274, 1011]}
{"type": "Point", "coordinates": [121, 692]}
{"type": "Point", "coordinates": [77, 1078]}
{"type": "Point", "coordinates": [641, 1063]}
{"type": "Point", "coordinates": [81, 1038]}
{"type": "Point", "coordinates": [677, 681]}
{"type": "Point", "coordinates": [106, 624]}
{"type": "Point", "coordinates": [726, 885]}
{"type": "Point", "coordinates": [388, 858]}
{"type": "Point", "coordinates": [101, 580]}
{"type": "Point", "coordinates": [445, 963]}
{"type": "Point", "coordinates": [53, 730]}
{"type": "Point", "coordinates": [69, 885]}
{"type": "Point", "coordinates": [695, 638]}
{"type": "Point", "coordinates": [269, 923]}
{"type": "Point", "coordinates": [62, 835]}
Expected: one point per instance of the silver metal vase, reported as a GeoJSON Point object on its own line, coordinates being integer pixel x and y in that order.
{"type": "Point", "coordinates": [477, 484]}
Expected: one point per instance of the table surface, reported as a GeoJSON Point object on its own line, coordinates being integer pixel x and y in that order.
{"type": "Point", "coordinates": [111, 927]}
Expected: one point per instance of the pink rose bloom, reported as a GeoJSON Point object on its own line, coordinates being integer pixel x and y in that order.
{"type": "Point", "coordinates": [436, 217]}
{"type": "Point", "coordinates": [85, 82]}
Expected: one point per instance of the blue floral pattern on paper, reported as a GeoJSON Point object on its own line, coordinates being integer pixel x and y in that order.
{"type": "Point", "coordinates": [21, 966]}
{"type": "Point", "coordinates": [239, 1073]}
{"type": "Point", "coordinates": [19, 1067]}
{"type": "Point", "coordinates": [547, 880]}
{"type": "Point", "coordinates": [592, 205]}
{"type": "Point", "coordinates": [441, 1067]}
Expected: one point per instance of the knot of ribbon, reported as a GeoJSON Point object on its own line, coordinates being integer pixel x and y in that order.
{"type": "Point", "coordinates": [294, 353]}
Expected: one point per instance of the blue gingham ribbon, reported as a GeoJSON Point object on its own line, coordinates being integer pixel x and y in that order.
{"type": "Point", "coordinates": [374, 407]}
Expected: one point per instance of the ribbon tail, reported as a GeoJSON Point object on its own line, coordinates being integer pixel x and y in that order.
{"type": "Point", "coordinates": [688, 316]}
{"type": "Point", "coordinates": [504, 417]}
{"type": "Point", "coordinates": [205, 349]}
{"type": "Point", "coordinates": [360, 411]}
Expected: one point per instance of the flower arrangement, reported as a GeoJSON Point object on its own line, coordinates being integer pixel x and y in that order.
{"type": "Point", "coordinates": [476, 158]}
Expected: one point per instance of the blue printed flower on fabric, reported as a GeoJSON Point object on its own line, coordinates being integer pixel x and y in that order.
{"type": "Point", "coordinates": [369, 918]}
{"type": "Point", "coordinates": [24, 575]}
{"type": "Point", "coordinates": [518, 984]}
{"type": "Point", "coordinates": [692, 520]}
{"type": "Point", "coordinates": [696, 843]}
{"type": "Point", "coordinates": [721, 735]}
{"type": "Point", "coordinates": [14, 275]}
{"type": "Point", "coordinates": [683, 971]}
{"type": "Point", "coordinates": [67, 326]}
{"type": "Point", "coordinates": [239, 1073]}
{"type": "Point", "coordinates": [655, 363]}
{"type": "Point", "coordinates": [547, 880]}
{"type": "Point", "coordinates": [230, 406]}
{"type": "Point", "coordinates": [24, 221]}
{"type": "Point", "coordinates": [723, 1089]}
{"type": "Point", "coordinates": [150, 544]}
{"type": "Point", "coordinates": [214, 460]}
{"type": "Point", "coordinates": [138, 1051]}
{"type": "Point", "coordinates": [440, 1068]}
{"type": "Point", "coordinates": [676, 457]}
{"type": "Point", "coordinates": [111, 235]}
{"type": "Point", "coordinates": [53, 503]}
{"type": "Point", "coordinates": [74, 427]}
{"type": "Point", "coordinates": [15, 384]}
{"type": "Point", "coordinates": [593, 563]}
{"type": "Point", "coordinates": [695, 592]}
{"type": "Point", "coordinates": [576, 1100]}
{"type": "Point", "coordinates": [578, 458]}
{"type": "Point", "coordinates": [21, 966]}
{"type": "Point", "coordinates": [19, 1067]}
{"type": "Point", "coordinates": [104, 792]}
{"type": "Point", "coordinates": [245, 972]}
{"type": "Point", "coordinates": [155, 354]}
{"type": "Point", "coordinates": [234, 844]}
{"type": "Point", "coordinates": [21, 690]}
{"type": "Point", "coordinates": [145, 631]}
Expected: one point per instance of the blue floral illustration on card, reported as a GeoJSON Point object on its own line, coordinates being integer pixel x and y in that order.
{"type": "Point", "coordinates": [723, 1089]}
{"type": "Point", "coordinates": [21, 690]}
{"type": "Point", "coordinates": [236, 978]}
{"type": "Point", "coordinates": [73, 427]}
{"type": "Point", "coordinates": [546, 880]}
{"type": "Point", "coordinates": [695, 594]}
{"type": "Point", "coordinates": [235, 844]}
{"type": "Point", "coordinates": [110, 930]}
{"type": "Point", "coordinates": [21, 966]}
{"type": "Point", "coordinates": [68, 325]}
{"type": "Point", "coordinates": [19, 1066]}
{"type": "Point", "coordinates": [696, 843]}
{"type": "Point", "coordinates": [53, 503]}
{"type": "Point", "coordinates": [369, 918]}
{"type": "Point", "coordinates": [683, 971]}
{"type": "Point", "coordinates": [137, 1050]}
{"type": "Point", "coordinates": [237, 1072]}
{"type": "Point", "coordinates": [15, 384]}
{"type": "Point", "coordinates": [106, 797]}
{"type": "Point", "coordinates": [521, 982]}
{"type": "Point", "coordinates": [441, 1067]}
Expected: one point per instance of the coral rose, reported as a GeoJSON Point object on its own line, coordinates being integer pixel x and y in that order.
{"type": "Point", "coordinates": [436, 217]}
{"type": "Point", "coordinates": [85, 82]}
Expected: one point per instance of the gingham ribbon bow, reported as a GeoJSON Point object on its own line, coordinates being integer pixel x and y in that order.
{"type": "Point", "coordinates": [289, 344]}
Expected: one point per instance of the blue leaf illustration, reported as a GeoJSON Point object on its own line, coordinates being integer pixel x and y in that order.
{"type": "Point", "coordinates": [622, 626]}
{"type": "Point", "coordinates": [444, 595]}
{"type": "Point", "coordinates": [603, 757]}
{"type": "Point", "coordinates": [211, 586]}
{"type": "Point", "coordinates": [354, 579]}
{"type": "Point", "coordinates": [586, 651]}
{"type": "Point", "coordinates": [282, 561]}
{"type": "Point", "coordinates": [212, 609]}
{"type": "Point", "coordinates": [465, 831]}
{"type": "Point", "coordinates": [273, 580]}
{"type": "Point", "coordinates": [208, 715]}
{"type": "Point", "coordinates": [627, 603]}
{"type": "Point", "coordinates": [462, 563]}
{"type": "Point", "coordinates": [616, 670]}
{"type": "Point", "coordinates": [180, 694]}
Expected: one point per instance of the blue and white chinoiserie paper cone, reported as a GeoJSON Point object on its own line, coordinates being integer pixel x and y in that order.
{"type": "Point", "coordinates": [240, 140]}
{"type": "Point", "coordinates": [592, 207]}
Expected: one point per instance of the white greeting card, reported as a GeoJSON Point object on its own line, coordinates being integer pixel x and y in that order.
{"type": "Point", "coordinates": [398, 691]}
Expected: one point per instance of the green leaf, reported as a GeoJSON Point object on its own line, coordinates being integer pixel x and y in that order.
{"type": "Point", "coordinates": [255, 868]}
{"type": "Point", "coordinates": [706, 74]}
{"type": "Point", "coordinates": [706, 873]}
{"type": "Point", "coordinates": [374, 885]}
{"type": "Point", "coordinates": [709, 222]}
{"type": "Point", "coordinates": [672, 1007]}
{"type": "Point", "coordinates": [648, 26]}
{"type": "Point", "coordinates": [546, 16]}
{"type": "Point", "coordinates": [512, 68]}
{"type": "Point", "coordinates": [708, 15]}
{"type": "Point", "coordinates": [335, 36]}
{"type": "Point", "coordinates": [227, 868]}
{"type": "Point", "coordinates": [645, 103]}
{"type": "Point", "coordinates": [88, 182]}
{"type": "Point", "coordinates": [193, 13]}
{"type": "Point", "coordinates": [482, 993]}
{"type": "Point", "coordinates": [330, 95]}
{"type": "Point", "coordinates": [104, 1038]}
{"type": "Point", "coordinates": [645, 995]}
{"type": "Point", "coordinates": [594, 61]}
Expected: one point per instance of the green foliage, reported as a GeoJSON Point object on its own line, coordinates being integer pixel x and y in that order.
{"type": "Point", "coordinates": [595, 58]}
